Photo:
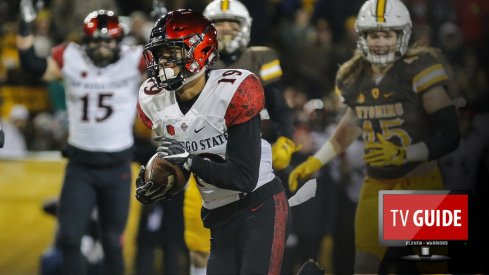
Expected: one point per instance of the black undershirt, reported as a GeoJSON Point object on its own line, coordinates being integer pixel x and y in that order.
{"type": "Point", "coordinates": [243, 153]}
{"type": "Point", "coordinates": [186, 105]}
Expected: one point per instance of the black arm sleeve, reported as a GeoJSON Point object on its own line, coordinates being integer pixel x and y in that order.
{"type": "Point", "coordinates": [445, 137]}
{"type": "Point", "coordinates": [25, 28]}
{"type": "Point", "coordinates": [2, 136]}
{"type": "Point", "coordinates": [243, 152]}
{"type": "Point", "coordinates": [279, 111]}
{"type": "Point", "coordinates": [31, 63]}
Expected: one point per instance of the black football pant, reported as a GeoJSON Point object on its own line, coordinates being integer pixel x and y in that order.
{"type": "Point", "coordinates": [84, 188]}
{"type": "Point", "coordinates": [161, 226]}
{"type": "Point", "coordinates": [252, 242]}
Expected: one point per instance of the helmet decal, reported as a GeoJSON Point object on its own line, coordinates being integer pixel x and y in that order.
{"type": "Point", "coordinates": [380, 11]}
{"type": "Point", "coordinates": [224, 5]}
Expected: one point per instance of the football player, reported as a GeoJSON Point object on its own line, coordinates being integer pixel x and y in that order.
{"type": "Point", "coordinates": [208, 123]}
{"type": "Point", "coordinates": [233, 24]}
{"type": "Point", "coordinates": [101, 81]}
{"type": "Point", "coordinates": [396, 98]}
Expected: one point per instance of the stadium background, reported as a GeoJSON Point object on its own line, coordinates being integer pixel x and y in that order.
{"type": "Point", "coordinates": [458, 27]}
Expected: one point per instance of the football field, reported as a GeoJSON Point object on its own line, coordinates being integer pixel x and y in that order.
{"type": "Point", "coordinates": [25, 230]}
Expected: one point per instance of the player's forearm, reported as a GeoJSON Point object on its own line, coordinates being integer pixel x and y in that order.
{"type": "Point", "coordinates": [24, 42]}
{"type": "Point", "coordinates": [346, 132]}
{"type": "Point", "coordinates": [241, 168]}
{"type": "Point", "coordinates": [25, 39]}
{"type": "Point", "coordinates": [30, 62]}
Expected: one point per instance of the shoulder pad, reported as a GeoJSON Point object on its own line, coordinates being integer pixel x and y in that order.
{"type": "Point", "coordinates": [247, 101]}
{"type": "Point", "coordinates": [428, 72]}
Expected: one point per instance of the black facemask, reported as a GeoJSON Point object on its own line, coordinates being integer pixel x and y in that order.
{"type": "Point", "coordinates": [103, 57]}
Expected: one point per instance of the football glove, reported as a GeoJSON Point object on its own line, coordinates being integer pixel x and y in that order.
{"type": "Point", "coordinates": [303, 172]}
{"type": "Point", "coordinates": [282, 151]}
{"type": "Point", "coordinates": [28, 12]}
{"type": "Point", "coordinates": [146, 192]}
{"type": "Point", "coordinates": [174, 152]}
{"type": "Point", "coordinates": [384, 153]}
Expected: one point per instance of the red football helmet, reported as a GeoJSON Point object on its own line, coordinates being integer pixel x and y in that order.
{"type": "Point", "coordinates": [102, 33]}
{"type": "Point", "coordinates": [102, 24]}
{"type": "Point", "coordinates": [186, 39]}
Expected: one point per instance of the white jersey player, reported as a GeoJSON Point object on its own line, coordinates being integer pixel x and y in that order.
{"type": "Point", "coordinates": [208, 124]}
{"type": "Point", "coordinates": [203, 129]}
{"type": "Point", "coordinates": [101, 81]}
{"type": "Point", "coordinates": [101, 101]}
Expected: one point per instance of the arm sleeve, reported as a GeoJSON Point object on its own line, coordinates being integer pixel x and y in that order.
{"type": "Point", "coordinates": [31, 63]}
{"type": "Point", "coordinates": [279, 111]}
{"type": "Point", "coordinates": [445, 136]}
{"type": "Point", "coordinates": [243, 152]}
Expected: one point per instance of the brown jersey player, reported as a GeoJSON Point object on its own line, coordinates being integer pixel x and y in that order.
{"type": "Point", "coordinates": [396, 99]}
{"type": "Point", "coordinates": [233, 24]}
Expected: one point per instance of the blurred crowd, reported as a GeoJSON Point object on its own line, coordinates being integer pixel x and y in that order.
{"type": "Point", "coordinates": [313, 37]}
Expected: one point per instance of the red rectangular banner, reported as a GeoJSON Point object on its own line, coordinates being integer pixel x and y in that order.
{"type": "Point", "coordinates": [423, 216]}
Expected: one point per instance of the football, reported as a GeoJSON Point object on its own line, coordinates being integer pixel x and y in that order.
{"type": "Point", "coordinates": [167, 178]}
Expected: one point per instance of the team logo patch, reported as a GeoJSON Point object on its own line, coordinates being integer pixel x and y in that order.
{"type": "Point", "coordinates": [170, 129]}
{"type": "Point", "coordinates": [184, 127]}
{"type": "Point", "coordinates": [360, 98]}
{"type": "Point", "coordinates": [375, 93]}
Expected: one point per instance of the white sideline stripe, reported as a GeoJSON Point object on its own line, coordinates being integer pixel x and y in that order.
{"type": "Point", "coordinates": [37, 155]}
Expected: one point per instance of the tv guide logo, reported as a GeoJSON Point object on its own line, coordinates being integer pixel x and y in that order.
{"type": "Point", "coordinates": [422, 216]}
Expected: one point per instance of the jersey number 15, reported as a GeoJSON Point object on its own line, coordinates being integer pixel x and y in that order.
{"type": "Point", "coordinates": [102, 104]}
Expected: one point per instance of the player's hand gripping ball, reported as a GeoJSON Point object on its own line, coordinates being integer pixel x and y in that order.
{"type": "Point", "coordinates": [159, 180]}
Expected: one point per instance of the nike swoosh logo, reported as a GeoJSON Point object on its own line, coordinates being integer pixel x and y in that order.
{"type": "Point", "coordinates": [388, 95]}
{"type": "Point", "coordinates": [198, 130]}
{"type": "Point", "coordinates": [256, 208]}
